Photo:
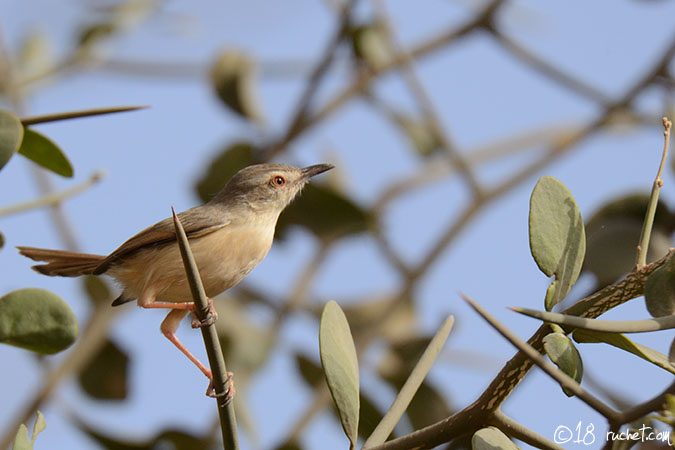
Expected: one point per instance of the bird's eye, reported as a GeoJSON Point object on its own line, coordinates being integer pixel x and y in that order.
{"type": "Point", "coordinates": [279, 180]}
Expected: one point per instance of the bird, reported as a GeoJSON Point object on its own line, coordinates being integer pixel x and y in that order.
{"type": "Point", "coordinates": [229, 235]}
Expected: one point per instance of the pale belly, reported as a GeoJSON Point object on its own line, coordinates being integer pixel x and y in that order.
{"type": "Point", "coordinates": [223, 258]}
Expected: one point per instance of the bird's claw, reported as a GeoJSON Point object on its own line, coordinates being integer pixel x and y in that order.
{"type": "Point", "coordinates": [211, 317]}
{"type": "Point", "coordinates": [228, 393]}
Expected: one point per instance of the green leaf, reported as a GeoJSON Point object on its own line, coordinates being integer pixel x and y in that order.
{"type": "Point", "coordinates": [491, 438]}
{"type": "Point", "coordinates": [42, 151]}
{"type": "Point", "coordinates": [325, 212]}
{"type": "Point", "coordinates": [557, 239]}
{"type": "Point", "coordinates": [11, 135]}
{"type": "Point", "coordinates": [233, 76]}
{"type": "Point", "coordinates": [233, 158]}
{"type": "Point", "coordinates": [565, 355]}
{"type": "Point", "coordinates": [341, 367]}
{"type": "Point", "coordinates": [37, 320]}
{"type": "Point", "coordinates": [371, 45]}
{"type": "Point", "coordinates": [21, 441]}
{"type": "Point", "coordinates": [620, 341]}
{"type": "Point", "coordinates": [106, 375]}
{"type": "Point", "coordinates": [613, 232]}
{"type": "Point", "coordinates": [92, 34]}
{"type": "Point", "coordinates": [660, 290]}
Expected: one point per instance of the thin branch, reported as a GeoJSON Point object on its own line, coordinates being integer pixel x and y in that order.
{"type": "Point", "coordinates": [27, 121]}
{"type": "Point", "coordinates": [560, 377]}
{"type": "Point", "coordinates": [654, 404]}
{"type": "Point", "coordinates": [53, 198]}
{"type": "Point", "coordinates": [424, 100]}
{"type": "Point", "coordinates": [228, 421]}
{"type": "Point", "coordinates": [521, 432]}
{"type": "Point", "coordinates": [365, 77]}
{"type": "Point", "coordinates": [645, 233]}
{"type": "Point", "coordinates": [548, 70]}
{"type": "Point", "coordinates": [298, 120]}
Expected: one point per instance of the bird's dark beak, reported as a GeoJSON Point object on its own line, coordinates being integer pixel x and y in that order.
{"type": "Point", "coordinates": [309, 172]}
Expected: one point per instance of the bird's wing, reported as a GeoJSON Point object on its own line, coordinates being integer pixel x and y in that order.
{"type": "Point", "coordinates": [197, 222]}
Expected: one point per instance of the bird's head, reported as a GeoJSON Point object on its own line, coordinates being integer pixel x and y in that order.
{"type": "Point", "coordinates": [267, 187]}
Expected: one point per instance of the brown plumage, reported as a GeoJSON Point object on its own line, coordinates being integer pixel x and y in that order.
{"type": "Point", "coordinates": [62, 263]}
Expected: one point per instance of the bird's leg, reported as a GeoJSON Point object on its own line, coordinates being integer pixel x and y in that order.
{"type": "Point", "coordinates": [211, 314]}
{"type": "Point", "coordinates": [168, 329]}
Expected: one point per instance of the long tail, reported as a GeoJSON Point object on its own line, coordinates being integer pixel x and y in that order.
{"type": "Point", "coordinates": [62, 263]}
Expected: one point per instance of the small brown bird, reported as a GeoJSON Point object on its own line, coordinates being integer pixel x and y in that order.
{"type": "Point", "coordinates": [228, 236]}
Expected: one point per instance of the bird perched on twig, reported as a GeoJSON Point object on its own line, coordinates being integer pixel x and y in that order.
{"type": "Point", "coordinates": [228, 236]}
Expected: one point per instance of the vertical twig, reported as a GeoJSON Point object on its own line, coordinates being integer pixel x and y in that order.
{"type": "Point", "coordinates": [228, 422]}
{"type": "Point", "coordinates": [645, 234]}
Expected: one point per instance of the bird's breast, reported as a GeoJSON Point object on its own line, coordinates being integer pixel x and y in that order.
{"type": "Point", "coordinates": [226, 256]}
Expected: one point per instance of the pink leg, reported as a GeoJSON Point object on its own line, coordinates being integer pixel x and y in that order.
{"type": "Point", "coordinates": [187, 306]}
{"type": "Point", "coordinates": [168, 329]}
{"type": "Point", "coordinates": [172, 337]}
{"type": "Point", "coordinates": [183, 306]}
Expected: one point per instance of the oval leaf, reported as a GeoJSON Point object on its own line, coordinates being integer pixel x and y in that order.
{"type": "Point", "coordinates": [327, 213]}
{"type": "Point", "coordinates": [11, 135]}
{"type": "Point", "coordinates": [235, 157]}
{"type": "Point", "coordinates": [660, 290]}
{"type": "Point", "coordinates": [233, 76]}
{"type": "Point", "coordinates": [370, 44]}
{"type": "Point", "coordinates": [565, 355]}
{"type": "Point", "coordinates": [105, 377]}
{"type": "Point", "coordinates": [42, 151]}
{"type": "Point", "coordinates": [37, 320]}
{"type": "Point", "coordinates": [557, 238]}
{"type": "Point", "coordinates": [341, 367]}
{"type": "Point", "coordinates": [612, 234]}
{"type": "Point", "coordinates": [491, 438]}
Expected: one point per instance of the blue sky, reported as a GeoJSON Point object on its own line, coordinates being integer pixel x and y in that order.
{"type": "Point", "coordinates": [482, 94]}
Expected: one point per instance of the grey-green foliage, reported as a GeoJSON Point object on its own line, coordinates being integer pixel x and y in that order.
{"type": "Point", "coordinates": [565, 355]}
{"type": "Point", "coordinates": [44, 152]}
{"type": "Point", "coordinates": [37, 320]}
{"type": "Point", "coordinates": [341, 367]}
{"type": "Point", "coordinates": [557, 237]}
{"type": "Point", "coordinates": [491, 438]}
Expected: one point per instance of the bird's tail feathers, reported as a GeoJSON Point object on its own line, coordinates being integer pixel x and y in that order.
{"type": "Point", "coordinates": [62, 263]}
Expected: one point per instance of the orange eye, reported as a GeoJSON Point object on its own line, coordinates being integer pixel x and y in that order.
{"type": "Point", "coordinates": [279, 180]}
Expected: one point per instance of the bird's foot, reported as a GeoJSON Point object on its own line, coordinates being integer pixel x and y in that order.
{"type": "Point", "coordinates": [210, 318]}
{"type": "Point", "coordinates": [229, 392]}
